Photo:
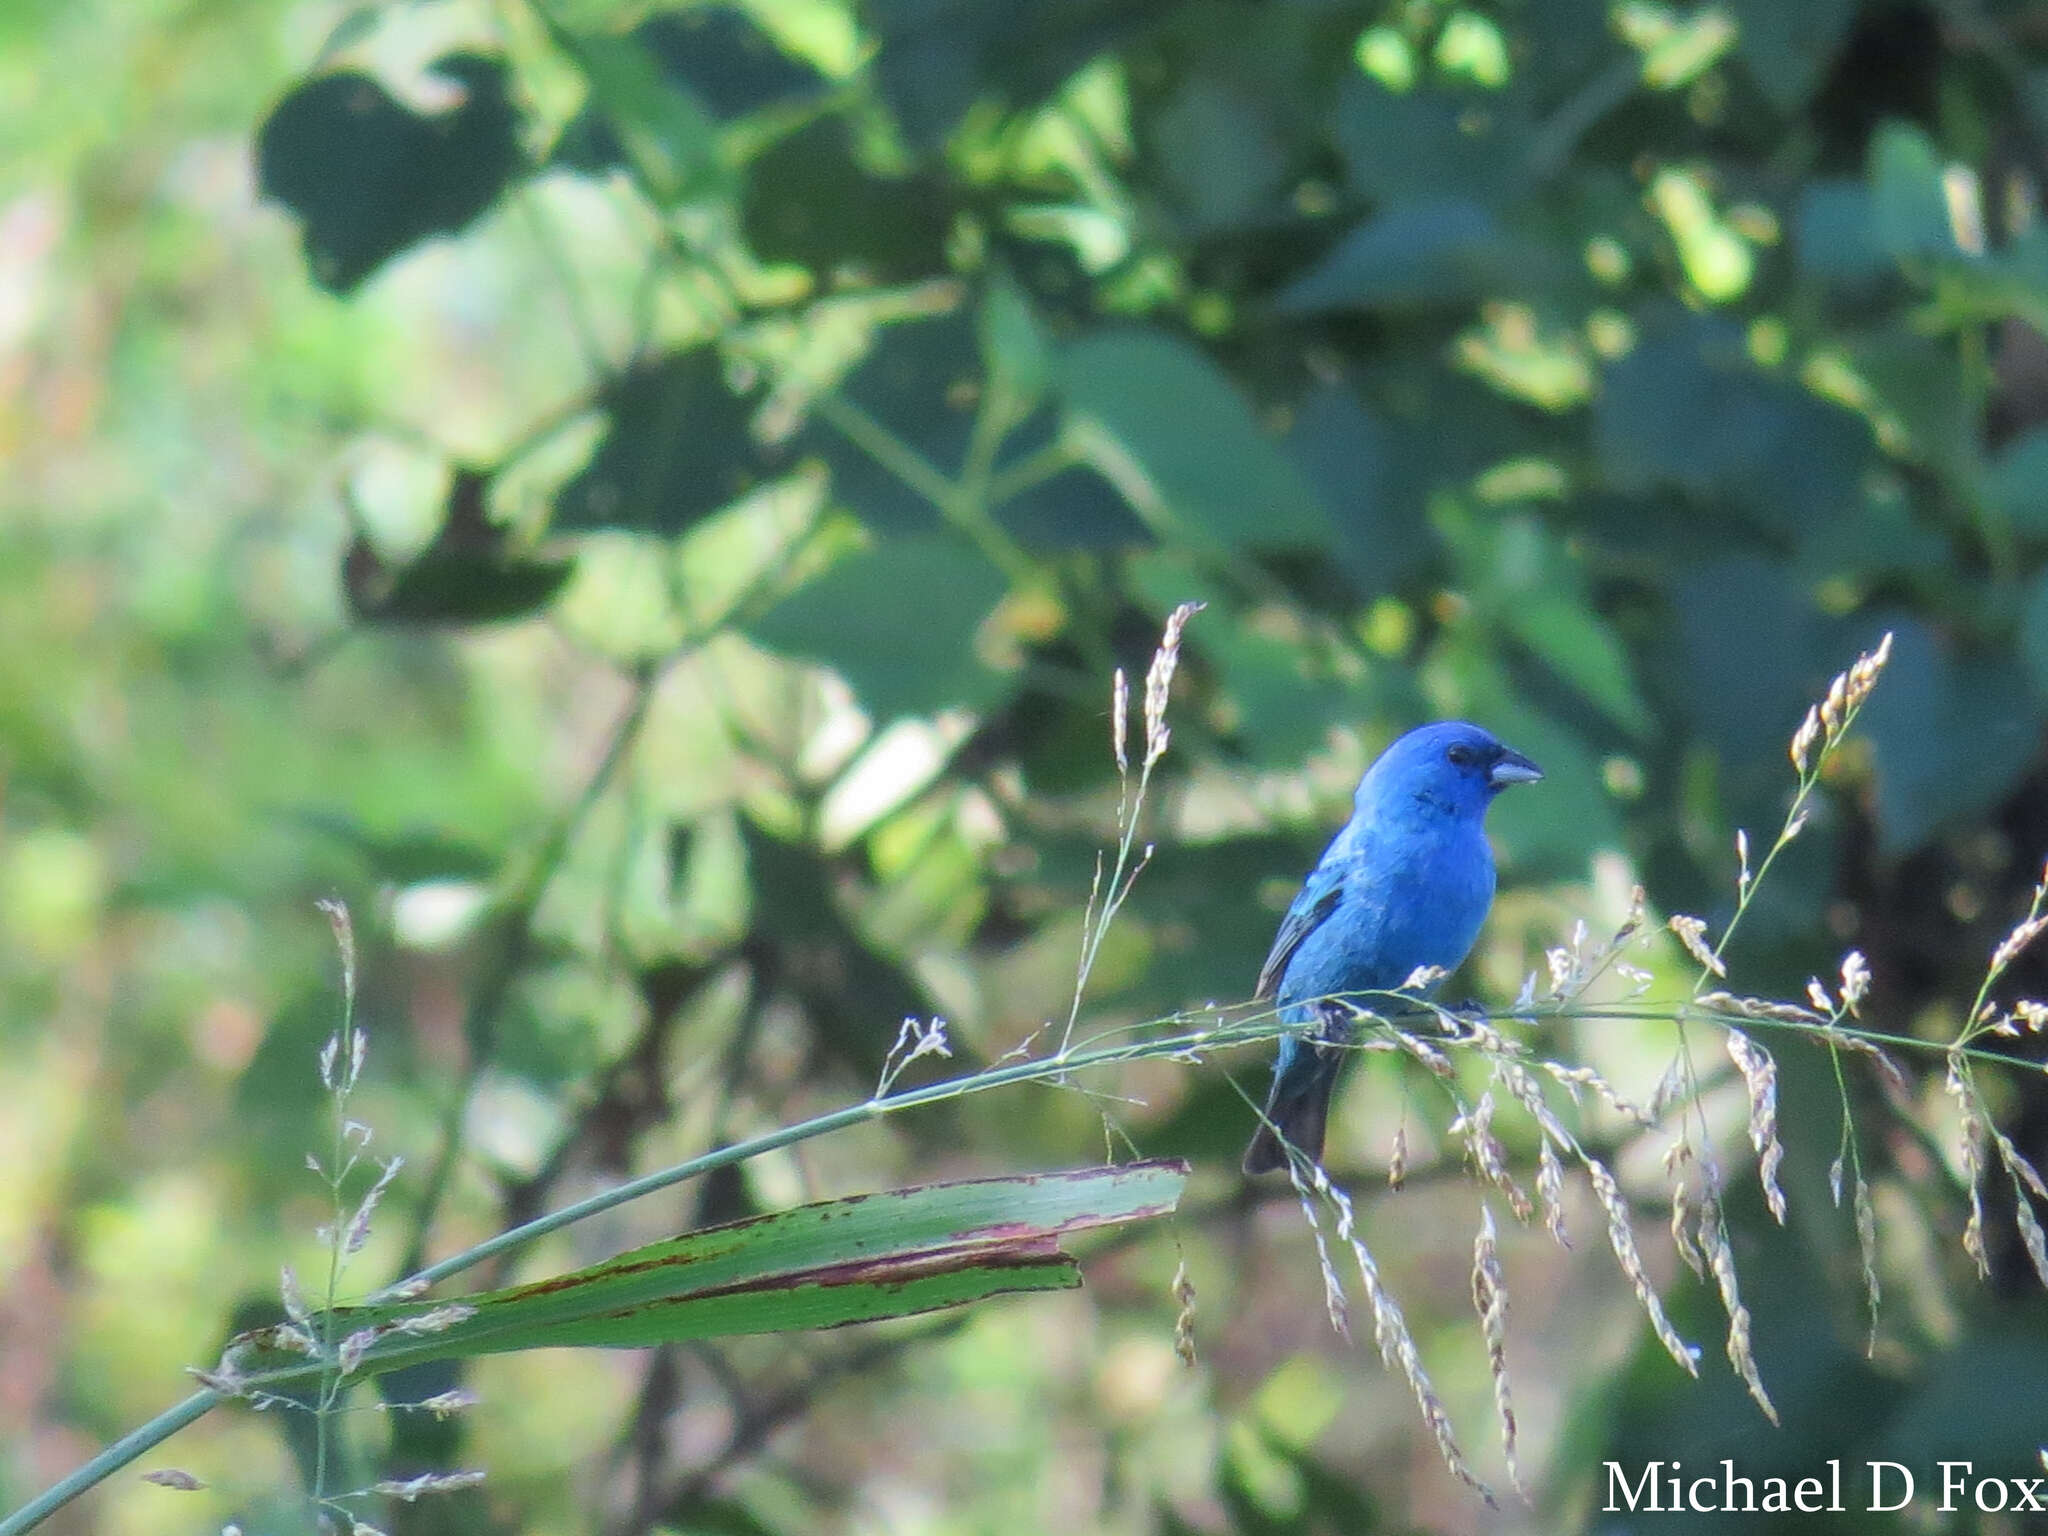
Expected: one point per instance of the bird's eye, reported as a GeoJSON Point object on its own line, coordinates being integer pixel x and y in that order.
{"type": "Point", "coordinates": [1461, 755]}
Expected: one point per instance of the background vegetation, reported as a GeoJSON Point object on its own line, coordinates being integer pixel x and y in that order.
{"type": "Point", "coordinates": [645, 501]}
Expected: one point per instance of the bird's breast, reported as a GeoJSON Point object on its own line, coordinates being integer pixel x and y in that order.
{"type": "Point", "coordinates": [1406, 903]}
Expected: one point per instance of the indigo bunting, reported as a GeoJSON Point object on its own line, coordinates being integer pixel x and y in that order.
{"type": "Point", "coordinates": [1405, 884]}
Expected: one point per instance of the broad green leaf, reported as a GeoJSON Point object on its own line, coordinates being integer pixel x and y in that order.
{"type": "Point", "coordinates": [1754, 647]}
{"type": "Point", "coordinates": [1687, 408]}
{"type": "Point", "coordinates": [818, 1266]}
{"type": "Point", "coordinates": [1429, 144]}
{"type": "Point", "coordinates": [1526, 582]}
{"type": "Point", "coordinates": [660, 127]}
{"type": "Point", "coordinates": [369, 177]}
{"type": "Point", "coordinates": [920, 382]}
{"type": "Point", "coordinates": [1789, 46]}
{"type": "Point", "coordinates": [1183, 424]}
{"type": "Point", "coordinates": [1016, 353]}
{"type": "Point", "coordinates": [1835, 234]}
{"type": "Point", "coordinates": [809, 199]}
{"type": "Point", "coordinates": [2016, 483]}
{"type": "Point", "coordinates": [680, 447]}
{"type": "Point", "coordinates": [1577, 644]}
{"type": "Point", "coordinates": [1354, 460]}
{"type": "Point", "coordinates": [897, 621]}
{"type": "Point", "coordinates": [455, 586]}
{"type": "Point", "coordinates": [1909, 206]}
{"type": "Point", "coordinates": [1284, 703]}
{"type": "Point", "coordinates": [2034, 635]}
{"type": "Point", "coordinates": [1442, 252]}
{"type": "Point", "coordinates": [1953, 734]}
{"type": "Point", "coordinates": [1219, 155]}
{"type": "Point", "coordinates": [1924, 386]}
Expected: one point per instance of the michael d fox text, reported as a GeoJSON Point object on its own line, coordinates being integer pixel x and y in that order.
{"type": "Point", "coordinates": [1870, 1487]}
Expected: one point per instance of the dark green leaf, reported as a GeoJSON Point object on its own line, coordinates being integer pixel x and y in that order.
{"type": "Point", "coordinates": [1182, 422]}
{"type": "Point", "coordinates": [368, 177]}
{"type": "Point", "coordinates": [1349, 456]}
{"type": "Point", "coordinates": [2016, 483]}
{"type": "Point", "coordinates": [1952, 733]}
{"type": "Point", "coordinates": [2034, 635]}
{"type": "Point", "coordinates": [1687, 408]}
{"type": "Point", "coordinates": [723, 56]}
{"type": "Point", "coordinates": [1789, 47]}
{"type": "Point", "coordinates": [937, 57]}
{"type": "Point", "coordinates": [1754, 645]}
{"type": "Point", "coordinates": [921, 383]}
{"type": "Point", "coordinates": [808, 199]}
{"type": "Point", "coordinates": [457, 586]}
{"type": "Point", "coordinates": [898, 622]}
{"type": "Point", "coordinates": [715, 55]}
{"type": "Point", "coordinates": [1421, 253]}
{"type": "Point", "coordinates": [1835, 234]}
{"type": "Point", "coordinates": [1431, 145]}
{"type": "Point", "coordinates": [643, 116]}
{"type": "Point", "coordinates": [802, 941]}
{"type": "Point", "coordinates": [680, 447]}
{"type": "Point", "coordinates": [1908, 204]}
{"type": "Point", "coordinates": [1923, 384]}
{"type": "Point", "coordinates": [1220, 157]}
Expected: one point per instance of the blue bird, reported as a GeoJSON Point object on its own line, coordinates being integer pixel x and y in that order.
{"type": "Point", "coordinates": [1405, 884]}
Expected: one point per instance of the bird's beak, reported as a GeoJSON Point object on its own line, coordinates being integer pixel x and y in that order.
{"type": "Point", "coordinates": [1512, 768]}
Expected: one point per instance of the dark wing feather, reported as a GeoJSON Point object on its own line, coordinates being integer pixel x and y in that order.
{"type": "Point", "coordinates": [1317, 900]}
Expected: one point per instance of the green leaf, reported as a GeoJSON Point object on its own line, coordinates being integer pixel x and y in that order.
{"type": "Point", "coordinates": [898, 622]}
{"type": "Point", "coordinates": [809, 199]}
{"type": "Point", "coordinates": [1953, 734]}
{"type": "Point", "coordinates": [858, 1259]}
{"type": "Point", "coordinates": [1285, 704]}
{"type": "Point", "coordinates": [2016, 483]}
{"type": "Point", "coordinates": [1835, 235]}
{"type": "Point", "coordinates": [1754, 646]}
{"type": "Point", "coordinates": [1576, 644]}
{"type": "Point", "coordinates": [920, 382]}
{"type": "Point", "coordinates": [1353, 460]}
{"type": "Point", "coordinates": [680, 447]}
{"type": "Point", "coordinates": [1524, 581]}
{"type": "Point", "coordinates": [1415, 254]}
{"type": "Point", "coordinates": [1185, 427]}
{"type": "Point", "coordinates": [1924, 385]}
{"type": "Point", "coordinates": [2034, 635]}
{"type": "Point", "coordinates": [1219, 156]}
{"type": "Point", "coordinates": [1015, 351]}
{"type": "Point", "coordinates": [1687, 408]}
{"type": "Point", "coordinates": [1427, 144]}
{"type": "Point", "coordinates": [1788, 47]}
{"type": "Point", "coordinates": [456, 586]}
{"type": "Point", "coordinates": [369, 177]}
{"type": "Point", "coordinates": [659, 126]}
{"type": "Point", "coordinates": [1908, 203]}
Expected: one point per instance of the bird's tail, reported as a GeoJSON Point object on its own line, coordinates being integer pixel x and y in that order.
{"type": "Point", "coordinates": [1297, 1109]}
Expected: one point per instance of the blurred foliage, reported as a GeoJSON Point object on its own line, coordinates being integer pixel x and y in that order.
{"type": "Point", "coordinates": [645, 501]}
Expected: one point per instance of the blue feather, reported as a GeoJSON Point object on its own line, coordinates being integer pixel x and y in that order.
{"type": "Point", "coordinates": [1405, 884]}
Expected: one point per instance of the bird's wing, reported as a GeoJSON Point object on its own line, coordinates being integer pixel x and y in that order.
{"type": "Point", "coordinates": [1318, 898]}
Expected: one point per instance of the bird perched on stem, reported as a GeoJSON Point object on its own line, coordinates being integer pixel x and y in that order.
{"type": "Point", "coordinates": [1405, 885]}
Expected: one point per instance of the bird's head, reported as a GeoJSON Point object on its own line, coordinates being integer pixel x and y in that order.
{"type": "Point", "coordinates": [1451, 767]}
